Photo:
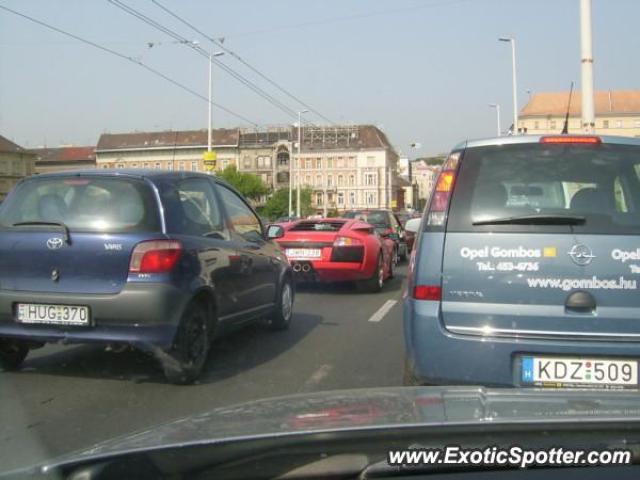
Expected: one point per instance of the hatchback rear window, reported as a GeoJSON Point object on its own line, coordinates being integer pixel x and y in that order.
{"type": "Point", "coordinates": [99, 204]}
{"type": "Point", "coordinates": [379, 219]}
{"type": "Point", "coordinates": [598, 184]}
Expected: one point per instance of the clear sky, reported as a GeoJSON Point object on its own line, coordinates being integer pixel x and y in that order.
{"type": "Point", "coordinates": [422, 70]}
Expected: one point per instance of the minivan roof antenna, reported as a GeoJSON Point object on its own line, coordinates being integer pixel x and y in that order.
{"type": "Point", "coordinates": [565, 129]}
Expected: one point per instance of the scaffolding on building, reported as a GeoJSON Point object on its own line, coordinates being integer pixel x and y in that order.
{"type": "Point", "coordinates": [315, 137]}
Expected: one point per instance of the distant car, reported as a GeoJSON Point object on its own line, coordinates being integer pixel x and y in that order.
{"type": "Point", "coordinates": [386, 224]}
{"type": "Point", "coordinates": [526, 272]}
{"type": "Point", "coordinates": [162, 261]}
{"type": "Point", "coordinates": [337, 250]}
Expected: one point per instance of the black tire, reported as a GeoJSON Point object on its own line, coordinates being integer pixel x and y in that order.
{"type": "Point", "coordinates": [280, 319]}
{"type": "Point", "coordinates": [405, 253]}
{"type": "Point", "coordinates": [184, 362]}
{"type": "Point", "coordinates": [374, 284]}
{"type": "Point", "coordinates": [12, 353]}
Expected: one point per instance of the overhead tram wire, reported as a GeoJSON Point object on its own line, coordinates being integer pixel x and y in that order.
{"type": "Point", "coordinates": [130, 59]}
{"type": "Point", "coordinates": [135, 13]}
{"type": "Point", "coordinates": [220, 45]}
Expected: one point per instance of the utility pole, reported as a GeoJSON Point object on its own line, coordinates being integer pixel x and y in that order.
{"type": "Point", "coordinates": [299, 160]}
{"type": "Point", "coordinates": [512, 41]}
{"type": "Point", "coordinates": [586, 50]}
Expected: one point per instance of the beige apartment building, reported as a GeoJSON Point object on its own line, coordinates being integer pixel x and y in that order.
{"type": "Point", "coordinates": [617, 113]}
{"type": "Point", "coordinates": [64, 159]}
{"type": "Point", "coordinates": [15, 164]}
{"type": "Point", "coordinates": [346, 166]}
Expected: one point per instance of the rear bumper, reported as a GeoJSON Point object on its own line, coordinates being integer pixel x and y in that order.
{"type": "Point", "coordinates": [333, 271]}
{"type": "Point", "coordinates": [141, 314]}
{"type": "Point", "coordinates": [437, 356]}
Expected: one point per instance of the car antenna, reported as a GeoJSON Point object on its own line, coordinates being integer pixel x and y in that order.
{"type": "Point", "coordinates": [565, 128]}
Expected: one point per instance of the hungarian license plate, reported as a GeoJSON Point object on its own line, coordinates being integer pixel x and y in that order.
{"type": "Point", "coordinates": [303, 253]}
{"type": "Point", "coordinates": [579, 372]}
{"type": "Point", "coordinates": [55, 314]}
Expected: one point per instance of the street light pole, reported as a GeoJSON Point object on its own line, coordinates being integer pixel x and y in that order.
{"type": "Point", "coordinates": [299, 160]}
{"type": "Point", "coordinates": [497, 107]}
{"type": "Point", "coordinates": [515, 84]}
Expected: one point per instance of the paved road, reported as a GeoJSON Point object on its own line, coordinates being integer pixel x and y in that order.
{"type": "Point", "coordinates": [70, 397]}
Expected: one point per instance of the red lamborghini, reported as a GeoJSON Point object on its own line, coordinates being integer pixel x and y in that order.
{"type": "Point", "coordinates": [338, 249]}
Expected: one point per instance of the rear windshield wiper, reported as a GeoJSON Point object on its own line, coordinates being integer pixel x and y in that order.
{"type": "Point", "coordinates": [534, 219]}
{"type": "Point", "coordinates": [65, 230]}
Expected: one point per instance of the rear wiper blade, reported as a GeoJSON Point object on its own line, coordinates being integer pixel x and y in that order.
{"type": "Point", "coordinates": [534, 219]}
{"type": "Point", "coordinates": [65, 230]}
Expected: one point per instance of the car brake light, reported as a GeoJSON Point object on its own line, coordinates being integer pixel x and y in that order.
{"type": "Point", "coordinates": [346, 242]}
{"type": "Point", "coordinates": [155, 256]}
{"type": "Point", "coordinates": [427, 292]}
{"type": "Point", "coordinates": [572, 139]}
{"type": "Point", "coordinates": [442, 192]}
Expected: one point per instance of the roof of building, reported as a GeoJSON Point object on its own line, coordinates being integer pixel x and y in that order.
{"type": "Point", "coordinates": [168, 139]}
{"type": "Point", "coordinates": [7, 146]}
{"type": "Point", "coordinates": [348, 137]}
{"type": "Point", "coordinates": [605, 102]}
{"type": "Point", "coordinates": [65, 154]}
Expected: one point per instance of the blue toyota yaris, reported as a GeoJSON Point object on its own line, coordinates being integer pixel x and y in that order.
{"type": "Point", "coordinates": [527, 266]}
{"type": "Point", "coordinates": [162, 261]}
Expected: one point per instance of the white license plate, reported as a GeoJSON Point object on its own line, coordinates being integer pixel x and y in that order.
{"type": "Point", "coordinates": [303, 253]}
{"type": "Point", "coordinates": [55, 314]}
{"type": "Point", "coordinates": [586, 372]}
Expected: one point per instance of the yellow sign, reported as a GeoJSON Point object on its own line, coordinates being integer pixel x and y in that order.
{"type": "Point", "coordinates": [394, 204]}
{"type": "Point", "coordinates": [209, 156]}
{"type": "Point", "coordinates": [550, 252]}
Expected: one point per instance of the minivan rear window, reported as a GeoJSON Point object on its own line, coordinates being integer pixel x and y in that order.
{"type": "Point", "coordinates": [599, 184]}
{"type": "Point", "coordinates": [89, 203]}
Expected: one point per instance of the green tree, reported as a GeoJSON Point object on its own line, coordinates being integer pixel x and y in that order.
{"type": "Point", "coordinates": [278, 205]}
{"type": "Point", "coordinates": [248, 184]}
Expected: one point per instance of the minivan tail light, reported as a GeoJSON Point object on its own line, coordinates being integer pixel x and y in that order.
{"type": "Point", "coordinates": [427, 292]}
{"type": "Point", "coordinates": [155, 256]}
{"type": "Point", "coordinates": [589, 140]}
{"type": "Point", "coordinates": [441, 197]}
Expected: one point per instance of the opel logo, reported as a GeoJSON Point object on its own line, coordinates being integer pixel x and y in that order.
{"type": "Point", "coordinates": [581, 254]}
{"type": "Point", "coordinates": [55, 243]}
{"type": "Point", "coordinates": [55, 275]}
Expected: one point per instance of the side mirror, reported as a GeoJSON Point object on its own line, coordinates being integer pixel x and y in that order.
{"type": "Point", "coordinates": [413, 225]}
{"type": "Point", "coordinates": [274, 231]}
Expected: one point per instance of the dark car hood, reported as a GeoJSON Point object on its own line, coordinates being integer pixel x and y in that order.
{"type": "Point", "coordinates": [376, 408]}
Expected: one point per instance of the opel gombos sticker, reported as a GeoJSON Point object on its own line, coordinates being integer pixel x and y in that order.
{"type": "Point", "coordinates": [500, 252]}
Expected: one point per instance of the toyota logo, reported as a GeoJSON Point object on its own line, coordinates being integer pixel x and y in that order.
{"type": "Point", "coordinates": [581, 254]}
{"type": "Point", "coordinates": [55, 243]}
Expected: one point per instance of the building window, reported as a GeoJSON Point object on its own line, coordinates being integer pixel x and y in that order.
{"type": "Point", "coordinates": [340, 180]}
{"type": "Point", "coordinates": [371, 198]}
{"type": "Point", "coordinates": [340, 198]}
{"type": "Point", "coordinates": [307, 180]}
{"type": "Point", "coordinates": [318, 163]}
{"type": "Point", "coordinates": [283, 159]}
{"type": "Point", "coordinates": [370, 179]}
{"type": "Point", "coordinates": [552, 124]}
{"type": "Point", "coordinates": [618, 123]}
{"type": "Point", "coordinates": [120, 165]}
{"type": "Point", "coordinates": [352, 180]}
{"type": "Point", "coordinates": [340, 162]}
{"type": "Point", "coordinates": [264, 162]}
{"type": "Point", "coordinates": [246, 163]}
{"type": "Point", "coordinates": [536, 125]}
{"type": "Point", "coordinates": [307, 163]}
{"type": "Point", "coordinates": [605, 124]}
{"type": "Point", "coordinates": [352, 198]}
{"type": "Point", "coordinates": [319, 198]}
{"type": "Point", "coordinates": [329, 162]}
{"type": "Point", "coordinates": [329, 180]}
{"type": "Point", "coordinates": [330, 198]}
{"type": "Point", "coordinates": [157, 167]}
{"type": "Point", "coordinates": [318, 180]}
{"type": "Point", "coordinates": [283, 177]}
{"type": "Point", "coordinates": [352, 162]}
{"type": "Point", "coordinates": [194, 166]}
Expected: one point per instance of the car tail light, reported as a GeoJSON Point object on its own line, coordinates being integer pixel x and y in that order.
{"type": "Point", "coordinates": [155, 256]}
{"type": "Point", "coordinates": [589, 140]}
{"type": "Point", "coordinates": [347, 242]}
{"type": "Point", "coordinates": [442, 193]}
{"type": "Point", "coordinates": [427, 292]}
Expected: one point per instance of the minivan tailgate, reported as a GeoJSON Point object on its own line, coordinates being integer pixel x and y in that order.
{"type": "Point", "coordinates": [526, 284]}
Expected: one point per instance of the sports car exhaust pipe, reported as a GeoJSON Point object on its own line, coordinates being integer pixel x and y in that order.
{"type": "Point", "coordinates": [297, 267]}
{"type": "Point", "coordinates": [306, 267]}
